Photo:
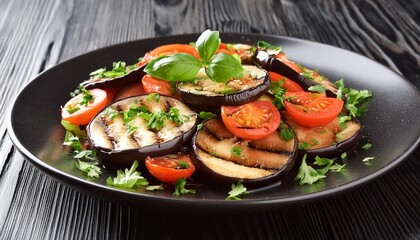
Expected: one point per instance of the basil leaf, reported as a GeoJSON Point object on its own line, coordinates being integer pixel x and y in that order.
{"type": "Point", "coordinates": [223, 67]}
{"type": "Point", "coordinates": [207, 44]}
{"type": "Point", "coordinates": [178, 67]}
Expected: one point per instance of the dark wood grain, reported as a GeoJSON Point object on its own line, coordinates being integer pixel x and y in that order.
{"type": "Point", "coordinates": [37, 34]}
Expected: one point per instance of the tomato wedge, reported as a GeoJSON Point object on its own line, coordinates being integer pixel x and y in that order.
{"type": "Point", "coordinates": [170, 49]}
{"type": "Point", "coordinates": [312, 109]}
{"type": "Point", "coordinates": [289, 85]}
{"type": "Point", "coordinates": [251, 121]}
{"type": "Point", "coordinates": [78, 113]}
{"type": "Point", "coordinates": [130, 90]}
{"type": "Point", "coordinates": [170, 168]}
{"type": "Point", "coordinates": [155, 85]}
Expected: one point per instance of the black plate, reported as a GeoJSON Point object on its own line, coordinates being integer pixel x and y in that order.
{"type": "Point", "coordinates": [391, 125]}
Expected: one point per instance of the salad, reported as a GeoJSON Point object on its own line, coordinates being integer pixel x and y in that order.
{"type": "Point", "coordinates": [228, 113]}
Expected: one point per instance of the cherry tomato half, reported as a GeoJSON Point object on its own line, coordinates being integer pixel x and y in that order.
{"type": "Point", "coordinates": [155, 85]}
{"type": "Point", "coordinates": [79, 114]}
{"type": "Point", "coordinates": [312, 109]}
{"type": "Point", "coordinates": [289, 85]}
{"type": "Point", "coordinates": [170, 49]}
{"type": "Point", "coordinates": [170, 168]}
{"type": "Point", "coordinates": [251, 121]}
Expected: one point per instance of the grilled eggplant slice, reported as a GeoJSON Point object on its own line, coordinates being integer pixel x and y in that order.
{"type": "Point", "coordinates": [132, 74]}
{"type": "Point", "coordinates": [222, 157]}
{"type": "Point", "coordinates": [137, 127]}
{"type": "Point", "coordinates": [304, 77]}
{"type": "Point", "coordinates": [205, 94]}
{"type": "Point", "coordinates": [245, 51]}
{"type": "Point", "coordinates": [328, 141]}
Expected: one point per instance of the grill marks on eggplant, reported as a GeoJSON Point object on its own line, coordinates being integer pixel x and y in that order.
{"type": "Point", "coordinates": [217, 141]}
{"type": "Point", "coordinates": [225, 158]}
{"type": "Point", "coordinates": [114, 134]}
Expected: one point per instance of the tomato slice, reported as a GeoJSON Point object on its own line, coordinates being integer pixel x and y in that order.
{"type": "Point", "coordinates": [282, 57]}
{"type": "Point", "coordinates": [130, 90]}
{"type": "Point", "coordinates": [155, 85]}
{"type": "Point", "coordinates": [251, 121]}
{"type": "Point", "coordinates": [110, 93]}
{"type": "Point", "coordinates": [170, 49]}
{"type": "Point", "coordinates": [170, 168]}
{"type": "Point", "coordinates": [79, 114]}
{"type": "Point", "coordinates": [289, 85]}
{"type": "Point", "coordinates": [312, 109]}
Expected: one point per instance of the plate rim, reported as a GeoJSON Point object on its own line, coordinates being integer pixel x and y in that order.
{"type": "Point", "coordinates": [84, 185]}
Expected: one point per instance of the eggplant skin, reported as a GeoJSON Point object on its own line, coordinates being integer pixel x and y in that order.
{"type": "Point", "coordinates": [213, 103]}
{"type": "Point", "coordinates": [118, 148]}
{"type": "Point", "coordinates": [336, 149]}
{"type": "Point", "coordinates": [270, 63]}
{"type": "Point", "coordinates": [133, 76]}
{"type": "Point", "coordinates": [125, 158]}
{"type": "Point", "coordinates": [270, 176]}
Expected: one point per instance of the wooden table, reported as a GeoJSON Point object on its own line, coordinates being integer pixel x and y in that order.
{"type": "Point", "coordinates": [36, 35]}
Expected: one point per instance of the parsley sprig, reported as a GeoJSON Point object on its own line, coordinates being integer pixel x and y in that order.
{"type": "Point", "coordinates": [357, 100]}
{"type": "Point", "coordinates": [184, 67]}
{"type": "Point", "coordinates": [88, 162]}
{"type": "Point", "coordinates": [237, 191]}
{"type": "Point", "coordinates": [180, 187]}
{"type": "Point", "coordinates": [129, 178]}
{"type": "Point", "coordinates": [309, 175]}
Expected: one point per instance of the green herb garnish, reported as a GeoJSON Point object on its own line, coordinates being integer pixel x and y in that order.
{"type": "Point", "coordinates": [185, 67]}
{"type": "Point", "coordinates": [366, 146]}
{"type": "Point", "coordinates": [357, 100]}
{"type": "Point", "coordinates": [307, 174]}
{"type": "Point", "coordinates": [237, 191]}
{"type": "Point", "coordinates": [267, 46]}
{"type": "Point", "coordinates": [182, 164]}
{"type": "Point", "coordinates": [236, 151]}
{"type": "Point", "coordinates": [206, 115]}
{"type": "Point", "coordinates": [180, 187]}
{"type": "Point", "coordinates": [129, 178]}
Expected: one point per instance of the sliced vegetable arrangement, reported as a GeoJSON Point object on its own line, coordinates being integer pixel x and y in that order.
{"type": "Point", "coordinates": [211, 113]}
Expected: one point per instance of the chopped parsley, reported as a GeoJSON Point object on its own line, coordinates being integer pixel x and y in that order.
{"type": "Point", "coordinates": [317, 88]}
{"type": "Point", "coordinates": [310, 175]}
{"type": "Point", "coordinates": [180, 187]}
{"type": "Point", "coordinates": [304, 145]}
{"type": "Point", "coordinates": [366, 146]}
{"type": "Point", "coordinates": [153, 96]}
{"type": "Point", "coordinates": [129, 178]}
{"type": "Point", "coordinates": [110, 113]}
{"type": "Point", "coordinates": [307, 174]}
{"type": "Point", "coordinates": [119, 69]}
{"type": "Point", "coordinates": [357, 100]}
{"type": "Point", "coordinates": [182, 164]}
{"type": "Point", "coordinates": [81, 134]}
{"type": "Point", "coordinates": [237, 191]}
{"type": "Point", "coordinates": [176, 117]}
{"type": "Point", "coordinates": [236, 151]}
{"type": "Point", "coordinates": [72, 141]}
{"type": "Point", "coordinates": [367, 159]}
{"type": "Point", "coordinates": [278, 92]}
{"type": "Point", "coordinates": [286, 133]}
{"type": "Point", "coordinates": [206, 115]}
{"type": "Point", "coordinates": [154, 187]}
{"type": "Point", "coordinates": [267, 46]}
{"type": "Point", "coordinates": [90, 168]}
